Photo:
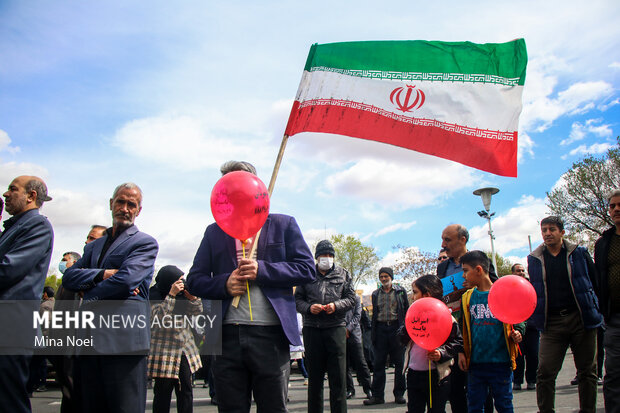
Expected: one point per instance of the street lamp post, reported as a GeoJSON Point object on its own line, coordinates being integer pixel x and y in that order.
{"type": "Point", "coordinates": [486, 194]}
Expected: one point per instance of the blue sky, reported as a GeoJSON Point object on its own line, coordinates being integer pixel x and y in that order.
{"type": "Point", "coordinates": [92, 95]}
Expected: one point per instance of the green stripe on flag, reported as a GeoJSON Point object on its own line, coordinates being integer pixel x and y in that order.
{"type": "Point", "coordinates": [502, 63]}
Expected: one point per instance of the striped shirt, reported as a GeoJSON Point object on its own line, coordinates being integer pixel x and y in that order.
{"type": "Point", "coordinates": [387, 306]}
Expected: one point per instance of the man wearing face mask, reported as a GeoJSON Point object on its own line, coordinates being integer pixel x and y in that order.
{"type": "Point", "coordinates": [324, 304]}
{"type": "Point", "coordinates": [68, 259]}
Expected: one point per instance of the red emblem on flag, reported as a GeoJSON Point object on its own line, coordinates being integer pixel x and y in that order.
{"type": "Point", "coordinates": [404, 102]}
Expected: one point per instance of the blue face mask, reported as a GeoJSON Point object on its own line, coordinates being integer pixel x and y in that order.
{"type": "Point", "coordinates": [62, 267]}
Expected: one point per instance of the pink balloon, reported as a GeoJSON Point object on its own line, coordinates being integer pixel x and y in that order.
{"type": "Point", "coordinates": [240, 204]}
{"type": "Point", "coordinates": [428, 322]}
{"type": "Point", "coordinates": [512, 299]}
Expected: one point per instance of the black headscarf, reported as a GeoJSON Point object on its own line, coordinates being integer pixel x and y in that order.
{"type": "Point", "coordinates": [167, 275]}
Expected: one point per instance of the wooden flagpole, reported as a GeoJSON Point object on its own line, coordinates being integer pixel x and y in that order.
{"type": "Point", "coordinates": [272, 183]}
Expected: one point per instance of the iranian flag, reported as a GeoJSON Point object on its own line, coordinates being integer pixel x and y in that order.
{"type": "Point", "coordinates": [455, 100]}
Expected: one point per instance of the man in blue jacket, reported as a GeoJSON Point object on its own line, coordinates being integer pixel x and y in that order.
{"type": "Point", "coordinates": [25, 251]}
{"type": "Point", "coordinates": [118, 266]}
{"type": "Point", "coordinates": [255, 349]}
{"type": "Point", "coordinates": [566, 313]}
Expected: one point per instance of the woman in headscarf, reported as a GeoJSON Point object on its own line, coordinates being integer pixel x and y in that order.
{"type": "Point", "coordinates": [174, 356]}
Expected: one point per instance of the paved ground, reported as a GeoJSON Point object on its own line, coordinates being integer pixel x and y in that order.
{"type": "Point", "coordinates": [524, 401]}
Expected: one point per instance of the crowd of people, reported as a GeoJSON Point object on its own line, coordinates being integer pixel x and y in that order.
{"type": "Point", "coordinates": [284, 302]}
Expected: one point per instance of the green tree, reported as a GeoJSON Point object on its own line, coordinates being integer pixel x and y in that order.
{"type": "Point", "coordinates": [581, 199]}
{"type": "Point", "coordinates": [52, 281]}
{"type": "Point", "coordinates": [504, 265]}
{"type": "Point", "coordinates": [352, 254]}
{"type": "Point", "coordinates": [414, 263]}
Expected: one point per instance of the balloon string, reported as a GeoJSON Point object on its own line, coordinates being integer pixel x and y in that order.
{"type": "Point", "coordinates": [430, 385]}
{"type": "Point", "coordinates": [247, 284]}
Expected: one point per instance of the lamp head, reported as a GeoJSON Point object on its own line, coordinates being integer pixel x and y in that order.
{"type": "Point", "coordinates": [486, 194]}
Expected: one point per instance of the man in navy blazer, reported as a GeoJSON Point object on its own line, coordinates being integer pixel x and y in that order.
{"type": "Point", "coordinates": [25, 251]}
{"type": "Point", "coordinates": [255, 348]}
{"type": "Point", "coordinates": [118, 266]}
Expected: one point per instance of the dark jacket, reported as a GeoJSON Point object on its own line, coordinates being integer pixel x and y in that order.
{"type": "Point", "coordinates": [333, 287]}
{"type": "Point", "coordinates": [582, 277]}
{"type": "Point", "coordinates": [25, 252]}
{"type": "Point", "coordinates": [449, 350]}
{"type": "Point", "coordinates": [365, 323]}
{"type": "Point", "coordinates": [402, 307]}
{"type": "Point", "coordinates": [352, 320]}
{"type": "Point", "coordinates": [601, 252]}
{"type": "Point", "coordinates": [284, 260]}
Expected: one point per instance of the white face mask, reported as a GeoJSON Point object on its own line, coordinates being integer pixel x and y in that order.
{"type": "Point", "coordinates": [325, 263]}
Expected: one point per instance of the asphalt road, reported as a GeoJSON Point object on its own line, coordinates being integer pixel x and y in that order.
{"type": "Point", "coordinates": [524, 401]}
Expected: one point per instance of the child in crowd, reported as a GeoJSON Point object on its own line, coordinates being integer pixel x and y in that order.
{"type": "Point", "coordinates": [416, 358]}
{"type": "Point", "coordinates": [490, 347]}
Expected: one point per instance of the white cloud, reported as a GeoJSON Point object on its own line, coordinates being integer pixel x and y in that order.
{"type": "Point", "coordinates": [540, 111]}
{"type": "Point", "coordinates": [10, 170]}
{"type": "Point", "coordinates": [615, 65]}
{"type": "Point", "coordinates": [399, 226]}
{"type": "Point", "coordinates": [75, 209]}
{"type": "Point", "coordinates": [526, 147]}
{"type": "Point", "coordinates": [314, 235]}
{"type": "Point", "coordinates": [593, 149]}
{"type": "Point", "coordinates": [512, 228]}
{"type": "Point", "coordinates": [404, 184]}
{"type": "Point", "coordinates": [592, 126]}
{"type": "Point", "coordinates": [391, 258]}
{"type": "Point", "coordinates": [5, 143]}
{"type": "Point", "coordinates": [604, 106]}
{"type": "Point", "coordinates": [186, 143]}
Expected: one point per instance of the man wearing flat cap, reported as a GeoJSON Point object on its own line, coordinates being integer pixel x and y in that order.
{"type": "Point", "coordinates": [389, 306]}
{"type": "Point", "coordinates": [25, 251]}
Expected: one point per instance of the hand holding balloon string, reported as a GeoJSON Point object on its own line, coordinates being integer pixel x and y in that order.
{"type": "Point", "coordinates": [328, 308]}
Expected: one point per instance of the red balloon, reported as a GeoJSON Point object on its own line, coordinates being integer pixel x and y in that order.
{"type": "Point", "coordinates": [240, 204]}
{"type": "Point", "coordinates": [428, 322]}
{"type": "Point", "coordinates": [512, 299]}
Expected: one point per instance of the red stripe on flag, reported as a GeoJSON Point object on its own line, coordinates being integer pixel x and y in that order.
{"type": "Point", "coordinates": [492, 155]}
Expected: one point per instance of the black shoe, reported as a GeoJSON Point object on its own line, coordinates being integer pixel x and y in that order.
{"type": "Point", "coordinates": [400, 400]}
{"type": "Point", "coordinates": [368, 394]}
{"type": "Point", "coordinates": [350, 394]}
{"type": "Point", "coordinates": [574, 381]}
{"type": "Point", "coordinates": [531, 386]}
{"type": "Point", "coordinates": [373, 400]}
{"type": "Point", "coordinates": [516, 386]}
{"type": "Point", "coordinates": [214, 401]}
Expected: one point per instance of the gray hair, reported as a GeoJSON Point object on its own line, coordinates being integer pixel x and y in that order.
{"type": "Point", "coordinates": [73, 254]}
{"type": "Point", "coordinates": [128, 185]}
{"type": "Point", "coordinates": [232, 166]}
{"type": "Point", "coordinates": [462, 232]}
{"type": "Point", "coordinates": [40, 188]}
{"type": "Point", "coordinates": [613, 193]}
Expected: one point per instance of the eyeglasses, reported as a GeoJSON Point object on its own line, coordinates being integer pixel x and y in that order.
{"type": "Point", "coordinates": [442, 258]}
